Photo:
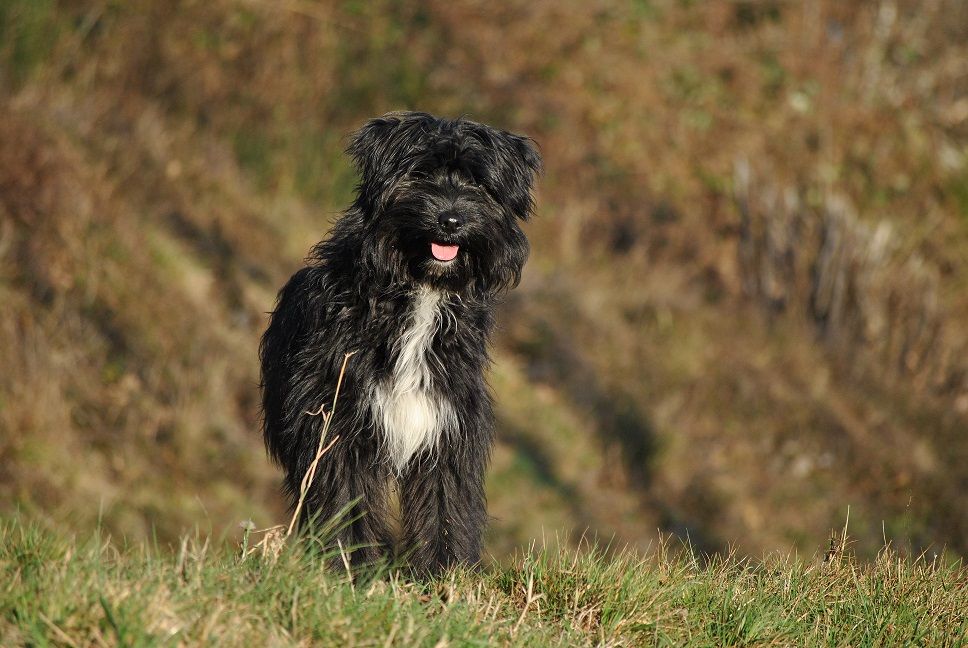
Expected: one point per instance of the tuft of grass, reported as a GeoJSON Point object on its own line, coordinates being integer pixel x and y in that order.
{"type": "Point", "coordinates": [70, 592]}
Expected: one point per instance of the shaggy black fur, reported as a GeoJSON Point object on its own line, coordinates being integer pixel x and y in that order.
{"type": "Point", "coordinates": [423, 179]}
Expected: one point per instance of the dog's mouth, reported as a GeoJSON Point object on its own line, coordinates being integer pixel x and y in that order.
{"type": "Point", "coordinates": [443, 252]}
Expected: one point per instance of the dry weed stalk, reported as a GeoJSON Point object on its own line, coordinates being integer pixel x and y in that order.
{"type": "Point", "coordinates": [321, 449]}
{"type": "Point", "coordinates": [274, 538]}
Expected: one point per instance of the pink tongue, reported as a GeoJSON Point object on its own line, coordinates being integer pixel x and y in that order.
{"type": "Point", "coordinates": [443, 252]}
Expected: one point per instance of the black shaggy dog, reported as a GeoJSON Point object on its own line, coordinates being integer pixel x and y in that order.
{"type": "Point", "coordinates": [407, 281]}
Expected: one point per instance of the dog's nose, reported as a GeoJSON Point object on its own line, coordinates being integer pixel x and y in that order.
{"type": "Point", "coordinates": [450, 221]}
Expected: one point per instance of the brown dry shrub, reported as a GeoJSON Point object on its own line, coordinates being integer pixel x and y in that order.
{"type": "Point", "coordinates": [120, 385]}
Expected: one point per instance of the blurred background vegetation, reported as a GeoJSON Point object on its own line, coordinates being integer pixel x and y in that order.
{"type": "Point", "coordinates": [746, 309]}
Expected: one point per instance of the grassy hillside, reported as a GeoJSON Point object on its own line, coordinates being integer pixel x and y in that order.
{"type": "Point", "coordinates": [746, 310]}
{"type": "Point", "coordinates": [93, 592]}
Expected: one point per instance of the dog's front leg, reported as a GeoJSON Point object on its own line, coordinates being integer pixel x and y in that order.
{"type": "Point", "coordinates": [444, 510]}
{"type": "Point", "coordinates": [350, 482]}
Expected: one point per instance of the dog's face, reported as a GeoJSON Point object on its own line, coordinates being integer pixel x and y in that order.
{"type": "Point", "coordinates": [441, 200]}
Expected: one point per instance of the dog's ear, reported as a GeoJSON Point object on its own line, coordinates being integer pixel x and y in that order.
{"type": "Point", "coordinates": [518, 162]}
{"type": "Point", "coordinates": [371, 149]}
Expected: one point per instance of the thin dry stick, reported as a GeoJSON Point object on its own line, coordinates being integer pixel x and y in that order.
{"type": "Point", "coordinates": [843, 539]}
{"type": "Point", "coordinates": [346, 563]}
{"type": "Point", "coordinates": [63, 636]}
{"type": "Point", "coordinates": [529, 598]}
{"type": "Point", "coordinates": [321, 449]}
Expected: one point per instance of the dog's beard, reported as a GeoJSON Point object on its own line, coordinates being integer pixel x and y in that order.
{"type": "Point", "coordinates": [408, 248]}
{"type": "Point", "coordinates": [438, 259]}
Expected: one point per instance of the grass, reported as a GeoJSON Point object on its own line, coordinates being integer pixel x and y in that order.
{"type": "Point", "coordinates": [96, 592]}
{"type": "Point", "coordinates": [164, 168]}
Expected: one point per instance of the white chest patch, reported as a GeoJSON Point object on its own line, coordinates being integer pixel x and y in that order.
{"type": "Point", "coordinates": [410, 411]}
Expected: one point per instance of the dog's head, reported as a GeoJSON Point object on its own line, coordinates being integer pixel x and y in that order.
{"type": "Point", "coordinates": [441, 200]}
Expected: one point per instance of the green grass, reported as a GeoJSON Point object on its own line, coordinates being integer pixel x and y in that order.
{"type": "Point", "coordinates": [94, 592]}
